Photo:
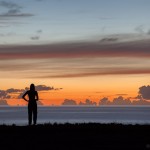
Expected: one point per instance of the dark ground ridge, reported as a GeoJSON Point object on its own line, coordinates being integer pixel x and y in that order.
{"type": "Point", "coordinates": [83, 136]}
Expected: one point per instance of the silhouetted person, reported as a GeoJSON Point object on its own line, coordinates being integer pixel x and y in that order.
{"type": "Point", "coordinates": [32, 105]}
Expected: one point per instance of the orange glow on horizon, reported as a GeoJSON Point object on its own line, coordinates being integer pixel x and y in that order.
{"type": "Point", "coordinates": [79, 89]}
{"type": "Point", "coordinates": [56, 98]}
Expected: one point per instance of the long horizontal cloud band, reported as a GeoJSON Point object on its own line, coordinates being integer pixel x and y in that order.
{"type": "Point", "coordinates": [139, 48]}
{"type": "Point", "coordinates": [114, 71]}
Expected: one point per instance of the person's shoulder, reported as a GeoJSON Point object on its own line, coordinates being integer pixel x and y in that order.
{"type": "Point", "coordinates": [28, 91]}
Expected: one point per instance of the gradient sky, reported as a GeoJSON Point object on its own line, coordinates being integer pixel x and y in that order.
{"type": "Point", "coordinates": [85, 48]}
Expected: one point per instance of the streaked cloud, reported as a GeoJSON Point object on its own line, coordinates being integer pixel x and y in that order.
{"type": "Point", "coordinates": [15, 14]}
{"type": "Point", "coordinates": [9, 5]}
{"type": "Point", "coordinates": [73, 67]}
{"type": "Point", "coordinates": [98, 72]}
{"type": "Point", "coordinates": [44, 88]}
{"type": "Point", "coordinates": [82, 59]}
{"type": "Point", "coordinates": [109, 40]}
{"type": "Point", "coordinates": [138, 48]}
{"type": "Point", "coordinates": [121, 94]}
{"type": "Point", "coordinates": [12, 90]}
{"type": "Point", "coordinates": [12, 10]}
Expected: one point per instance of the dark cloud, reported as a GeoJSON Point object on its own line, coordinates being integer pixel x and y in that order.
{"type": "Point", "coordinates": [7, 94]}
{"type": "Point", "coordinates": [21, 94]}
{"type": "Point", "coordinates": [69, 102]}
{"type": "Point", "coordinates": [9, 5]}
{"type": "Point", "coordinates": [121, 94]}
{"type": "Point", "coordinates": [62, 54]}
{"type": "Point", "coordinates": [88, 103]}
{"type": "Point", "coordinates": [109, 39]}
{"type": "Point", "coordinates": [140, 102]}
{"type": "Point", "coordinates": [4, 95]}
{"type": "Point", "coordinates": [12, 90]}
{"type": "Point", "coordinates": [35, 37]}
{"type": "Point", "coordinates": [12, 10]}
{"type": "Point", "coordinates": [9, 14]}
{"type": "Point", "coordinates": [144, 91]}
{"type": "Point", "coordinates": [43, 88]}
{"type": "Point", "coordinates": [123, 101]}
{"type": "Point", "coordinates": [39, 102]}
{"type": "Point", "coordinates": [57, 89]}
{"type": "Point", "coordinates": [139, 97]}
{"type": "Point", "coordinates": [104, 101]}
{"type": "Point", "coordinates": [138, 48]}
{"type": "Point", "coordinates": [3, 102]}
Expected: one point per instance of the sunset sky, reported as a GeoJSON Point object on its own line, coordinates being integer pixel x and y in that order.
{"type": "Point", "coordinates": [78, 49]}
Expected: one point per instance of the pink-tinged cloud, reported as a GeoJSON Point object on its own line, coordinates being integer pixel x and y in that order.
{"type": "Point", "coordinates": [140, 48]}
{"type": "Point", "coordinates": [112, 71]}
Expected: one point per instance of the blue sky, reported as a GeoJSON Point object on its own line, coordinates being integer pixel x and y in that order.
{"type": "Point", "coordinates": [64, 20]}
{"type": "Point", "coordinates": [103, 45]}
{"type": "Point", "coordinates": [88, 37]}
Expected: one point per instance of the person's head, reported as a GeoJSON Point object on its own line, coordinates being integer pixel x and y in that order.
{"type": "Point", "coordinates": [32, 87]}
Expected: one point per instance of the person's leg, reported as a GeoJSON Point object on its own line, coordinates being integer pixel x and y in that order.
{"type": "Point", "coordinates": [35, 114]}
{"type": "Point", "coordinates": [29, 114]}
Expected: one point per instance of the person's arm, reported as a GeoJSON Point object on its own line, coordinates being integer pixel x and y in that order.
{"type": "Point", "coordinates": [24, 96]}
{"type": "Point", "coordinates": [37, 96]}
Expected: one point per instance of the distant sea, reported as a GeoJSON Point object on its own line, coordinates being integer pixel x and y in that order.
{"type": "Point", "coordinates": [77, 114]}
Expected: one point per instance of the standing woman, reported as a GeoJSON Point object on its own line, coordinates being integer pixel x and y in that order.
{"type": "Point", "coordinates": [32, 105]}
